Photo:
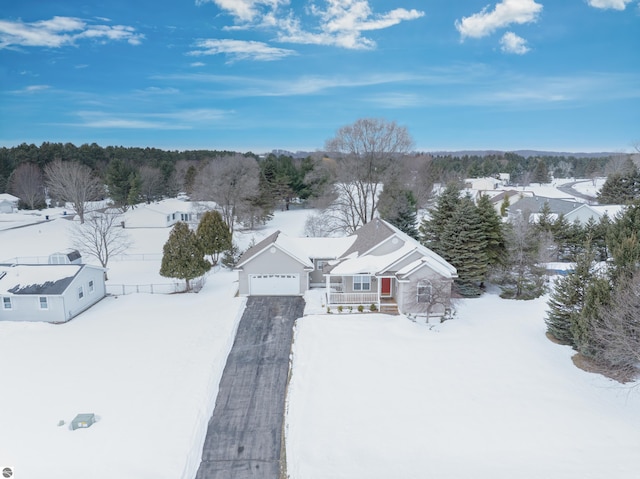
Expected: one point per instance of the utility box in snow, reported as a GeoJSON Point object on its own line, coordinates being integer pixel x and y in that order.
{"type": "Point", "coordinates": [83, 421]}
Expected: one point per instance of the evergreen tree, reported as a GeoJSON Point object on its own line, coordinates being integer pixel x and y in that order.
{"type": "Point", "coordinates": [213, 235]}
{"type": "Point", "coordinates": [504, 207]}
{"type": "Point", "coordinates": [567, 298]}
{"type": "Point", "coordinates": [624, 244]}
{"type": "Point", "coordinates": [493, 231]}
{"type": "Point", "coordinates": [432, 228]}
{"type": "Point", "coordinates": [398, 207]}
{"type": "Point", "coordinates": [121, 180]}
{"type": "Point", "coordinates": [621, 188]}
{"type": "Point", "coordinates": [541, 172]}
{"type": "Point", "coordinates": [466, 247]}
{"type": "Point", "coordinates": [182, 256]}
{"type": "Point", "coordinates": [597, 298]}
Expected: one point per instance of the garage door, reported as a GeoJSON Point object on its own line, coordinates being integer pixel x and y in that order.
{"type": "Point", "coordinates": [274, 284]}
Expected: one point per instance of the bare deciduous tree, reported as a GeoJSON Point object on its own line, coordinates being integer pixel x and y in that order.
{"type": "Point", "coordinates": [366, 154]}
{"type": "Point", "coordinates": [151, 183]}
{"type": "Point", "coordinates": [101, 235]}
{"type": "Point", "coordinates": [618, 332]}
{"type": "Point", "coordinates": [231, 182]}
{"type": "Point", "coordinates": [73, 182]}
{"type": "Point", "coordinates": [431, 298]}
{"type": "Point", "coordinates": [27, 183]}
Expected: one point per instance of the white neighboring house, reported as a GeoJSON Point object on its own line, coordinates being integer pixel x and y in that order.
{"type": "Point", "coordinates": [53, 293]}
{"type": "Point", "coordinates": [8, 203]}
{"type": "Point", "coordinates": [597, 212]}
{"type": "Point", "coordinates": [163, 214]}
{"type": "Point", "coordinates": [378, 265]}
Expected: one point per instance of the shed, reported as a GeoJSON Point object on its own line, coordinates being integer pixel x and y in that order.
{"type": "Point", "coordinates": [70, 256]}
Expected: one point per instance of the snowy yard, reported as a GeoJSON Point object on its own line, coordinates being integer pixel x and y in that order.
{"type": "Point", "coordinates": [485, 395]}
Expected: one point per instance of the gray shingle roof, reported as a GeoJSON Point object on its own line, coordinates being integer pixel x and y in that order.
{"type": "Point", "coordinates": [535, 204]}
{"type": "Point", "coordinates": [368, 236]}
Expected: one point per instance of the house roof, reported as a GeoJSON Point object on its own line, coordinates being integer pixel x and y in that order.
{"type": "Point", "coordinates": [8, 197]}
{"type": "Point", "coordinates": [370, 264]}
{"type": "Point", "coordinates": [370, 235]}
{"type": "Point", "coordinates": [282, 242]}
{"type": "Point", "coordinates": [535, 203]}
{"type": "Point", "coordinates": [46, 279]}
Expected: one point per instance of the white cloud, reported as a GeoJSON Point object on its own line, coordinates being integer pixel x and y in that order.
{"type": "Point", "coordinates": [196, 64]}
{"type": "Point", "coordinates": [337, 23]}
{"type": "Point", "coordinates": [613, 4]}
{"type": "Point", "coordinates": [174, 120]}
{"type": "Point", "coordinates": [512, 43]}
{"type": "Point", "coordinates": [240, 49]}
{"type": "Point", "coordinates": [505, 13]}
{"type": "Point", "coordinates": [31, 89]}
{"type": "Point", "coordinates": [61, 31]}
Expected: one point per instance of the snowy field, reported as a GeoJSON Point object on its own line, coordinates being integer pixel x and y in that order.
{"type": "Point", "coordinates": [485, 395]}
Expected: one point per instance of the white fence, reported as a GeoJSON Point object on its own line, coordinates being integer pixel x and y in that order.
{"type": "Point", "coordinates": [353, 298]}
{"type": "Point", "coordinates": [166, 288]}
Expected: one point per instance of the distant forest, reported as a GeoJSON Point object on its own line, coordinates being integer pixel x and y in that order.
{"type": "Point", "coordinates": [443, 167]}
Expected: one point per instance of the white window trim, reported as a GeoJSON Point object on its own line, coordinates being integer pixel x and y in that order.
{"type": "Point", "coordinates": [80, 293]}
{"type": "Point", "coordinates": [91, 287]}
{"type": "Point", "coordinates": [46, 302]}
{"type": "Point", "coordinates": [320, 264]}
{"type": "Point", "coordinates": [361, 282]}
{"type": "Point", "coordinates": [5, 303]}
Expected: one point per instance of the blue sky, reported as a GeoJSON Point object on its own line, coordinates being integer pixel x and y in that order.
{"type": "Point", "coordinates": [257, 75]}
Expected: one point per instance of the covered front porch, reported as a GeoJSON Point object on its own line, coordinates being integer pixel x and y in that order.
{"type": "Point", "coordinates": [365, 290]}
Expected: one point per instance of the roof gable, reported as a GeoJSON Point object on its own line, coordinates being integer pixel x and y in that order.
{"type": "Point", "coordinates": [280, 241]}
{"type": "Point", "coordinates": [369, 236]}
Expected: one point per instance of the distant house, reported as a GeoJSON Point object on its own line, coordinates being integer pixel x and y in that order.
{"type": "Point", "coordinates": [53, 293]}
{"type": "Point", "coordinates": [379, 265]}
{"type": "Point", "coordinates": [69, 256]}
{"type": "Point", "coordinates": [584, 212]}
{"type": "Point", "coordinates": [163, 214]}
{"type": "Point", "coordinates": [8, 203]}
{"type": "Point", "coordinates": [530, 207]}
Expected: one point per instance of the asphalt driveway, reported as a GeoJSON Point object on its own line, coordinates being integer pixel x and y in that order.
{"type": "Point", "coordinates": [244, 438]}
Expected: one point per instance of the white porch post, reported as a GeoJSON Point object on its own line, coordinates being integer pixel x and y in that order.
{"type": "Point", "coordinates": [328, 288]}
{"type": "Point", "coordinates": [379, 281]}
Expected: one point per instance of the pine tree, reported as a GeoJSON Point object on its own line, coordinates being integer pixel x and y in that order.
{"type": "Point", "coordinates": [597, 298]}
{"type": "Point", "coordinates": [494, 232]}
{"type": "Point", "coordinates": [432, 229]}
{"type": "Point", "coordinates": [399, 207]}
{"type": "Point", "coordinates": [504, 207]}
{"type": "Point", "coordinates": [182, 256]}
{"type": "Point", "coordinates": [567, 298]}
{"type": "Point", "coordinates": [213, 235]}
{"type": "Point", "coordinates": [624, 244]}
{"type": "Point", "coordinates": [466, 247]}
{"type": "Point", "coordinates": [621, 188]}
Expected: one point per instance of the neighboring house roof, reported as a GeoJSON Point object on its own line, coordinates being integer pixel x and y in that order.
{"type": "Point", "coordinates": [534, 205]}
{"type": "Point", "coordinates": [37, 278]}
{"type": "Point", "coordinates": [8, 197]}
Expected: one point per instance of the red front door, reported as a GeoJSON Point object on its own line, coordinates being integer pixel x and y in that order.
{"type": "Point", "coordinates": [385, 288]}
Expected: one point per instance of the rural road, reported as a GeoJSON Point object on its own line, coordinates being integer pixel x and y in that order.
{"type": "Point", "coordinates": [244, 437]}
{"type": "Point", "coordinates": [568, 189]}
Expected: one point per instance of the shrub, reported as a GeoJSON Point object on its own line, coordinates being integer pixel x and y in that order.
{"type": "Point", "coordinates": [373, 308]}
{"type": "Point", "coordinates": [361, 308]}
{"type": "Point", "coordinates": [340, 309]}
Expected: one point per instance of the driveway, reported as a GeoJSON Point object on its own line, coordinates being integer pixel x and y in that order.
{"type": "Point", "coordinates": [244, 438]}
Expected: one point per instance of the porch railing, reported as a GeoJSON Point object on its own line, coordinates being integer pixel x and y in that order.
{"type": "Point", "coordinates": [353, 298]}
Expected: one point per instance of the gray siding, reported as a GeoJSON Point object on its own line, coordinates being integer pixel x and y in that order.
{"type": "Point", "coordinates": [271, 263]}
{"type": "Point", "coordinates": [407, 293]}
{"type": "Point", "coordinates": [387, 247]}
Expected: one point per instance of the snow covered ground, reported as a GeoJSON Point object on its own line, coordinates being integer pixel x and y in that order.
{"type": "Point", "coordinates": [372, 395]}
{"type": "Point", "coordinates": [485, 395]}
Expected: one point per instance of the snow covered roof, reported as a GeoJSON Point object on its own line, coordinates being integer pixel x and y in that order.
{"type": "Point", "coordinates": [610, 210]}
{"type": "Point", "coordinates": [283, 242]}
{"type": "Point", "coordinates": [8, 197]}
{"type": "Point", "coordinates": [370, 235]}
{"type": "Point", "coordinates": [324, 248]}
{"type": "Point", "coordinates": [37, 278]}
{"type": "Point", "coordinates": [371, 264]}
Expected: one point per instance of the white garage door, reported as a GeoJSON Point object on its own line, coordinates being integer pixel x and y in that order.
{"type": "Point", "coordinates": [274, 284]}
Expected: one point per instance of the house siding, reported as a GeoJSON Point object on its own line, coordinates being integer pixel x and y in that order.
{"type": "Point", "coordinates": [387, 247]}
{"type": "Point", "coordinates": [271, 263]}
{"type": "Point", "coordinates": [61, 307]}
{"type": "Point", "coordinates": [406, 296]}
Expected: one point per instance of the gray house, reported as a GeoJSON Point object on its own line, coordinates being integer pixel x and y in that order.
{"type": "Point", "coordinates": [379, 265]}
{"type": "Point", "coordinates": [53, 293]}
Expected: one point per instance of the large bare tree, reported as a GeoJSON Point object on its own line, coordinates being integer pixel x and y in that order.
{"type": "Point", "coordinates": [27, 183]}
{"type": "Point", "coordinates": [229, 181]}
{"type": "Point", "coordinates": [366, 154]}
{"type": "Point", "coordinates": [102, 235]}
{"type": "Point", "coordinates": [73, 182]}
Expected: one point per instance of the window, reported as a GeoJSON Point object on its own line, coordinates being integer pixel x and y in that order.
{"type": "Point", "coordinates": [320, 264]}
{"type": "Point", "coordinates": [362, 283]}
{"type": "Point", "coordinates": [91, 288]}
{"type": "Point", "coordinates": [80, 292]}
{"type": "Point", "coordinates": [44, 304]}
{"type": "Point", "coordinates": [6, 303]}
{"type": "Point", "coordinates": [424, 291]}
